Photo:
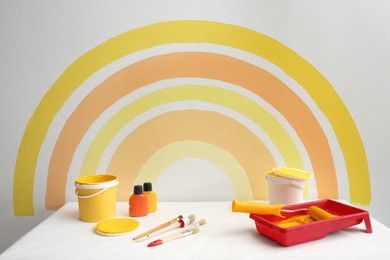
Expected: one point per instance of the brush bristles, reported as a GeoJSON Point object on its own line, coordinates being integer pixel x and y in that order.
{"type": "Point", "coordinates": [195, 230]}
{"type": "Point", "coordinates": [202, 222]}
{"type": "Point", "coordinates": [191, 218]}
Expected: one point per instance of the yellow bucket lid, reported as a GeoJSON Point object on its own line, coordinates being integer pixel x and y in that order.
{"type": "Point", "coordinates": [116, 226]}
{"type": "Point", "coordinates": [95, 179]}
{"type": "Point", "coordinates": [96, 182]}
{"type": "Point", "coordinates": [273, 174]}
{"type": "Point", "coordinates": [292, 173]}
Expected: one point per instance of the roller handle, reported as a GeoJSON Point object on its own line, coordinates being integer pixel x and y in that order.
{"type": "Point", "coordinates": [256, 208]}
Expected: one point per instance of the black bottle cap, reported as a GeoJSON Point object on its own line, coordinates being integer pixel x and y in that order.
{"type": "Point", "coordinates": [137, 189]}
{"type": "Point", "coordinates": [147, 186]}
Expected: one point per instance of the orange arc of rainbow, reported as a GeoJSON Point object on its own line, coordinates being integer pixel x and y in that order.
{"type": "Point", "coordinates": [200, 65]}
{"type": "Point", "coordinates": [206, 93]}
{"type": "Point", "coordinates": [205, 126]}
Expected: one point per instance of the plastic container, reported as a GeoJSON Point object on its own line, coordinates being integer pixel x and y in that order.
{"type": "Point", "coordinates": [138, 203]}
{"type": "Point", "coordinates": [347, 216]}
{"type": "Point", "coordinates": [96, 197]}
{"type": "Point", "coordinates": [151, 196]}
{"type": "Point", "coordinates": [286, 185]}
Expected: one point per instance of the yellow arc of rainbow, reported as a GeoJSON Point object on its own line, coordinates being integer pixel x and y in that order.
{"type": "Point", "coordinates": [173, 152]}
{"type": "Point", "coordinates": [190, 92]}
{"type": "Point", "coordinates": [190, 32]}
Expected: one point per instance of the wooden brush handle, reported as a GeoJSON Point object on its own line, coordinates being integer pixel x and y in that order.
{"type": "Point", "coordinates": [172, 237]}
{"type": "Point", "coordinates": [149, 232]}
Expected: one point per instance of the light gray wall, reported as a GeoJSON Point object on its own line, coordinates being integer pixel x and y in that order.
{"type": "Point", "coordinates": [348, 41]}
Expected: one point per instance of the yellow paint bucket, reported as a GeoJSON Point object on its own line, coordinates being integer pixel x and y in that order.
{"type": "Point", "coordinates": [97, 197]}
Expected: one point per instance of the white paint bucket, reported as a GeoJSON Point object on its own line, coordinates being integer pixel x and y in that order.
{"type": "Point", "coordinates": [286, 185]}
{"type": "Point", "coordinates": [284, 191]}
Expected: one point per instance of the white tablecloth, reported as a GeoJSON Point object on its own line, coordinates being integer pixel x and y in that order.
{"type": "Point", "coordinates": [226, 235]}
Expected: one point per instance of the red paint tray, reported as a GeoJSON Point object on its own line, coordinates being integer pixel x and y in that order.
{"type": "Point", "coordinates": [347, 216]}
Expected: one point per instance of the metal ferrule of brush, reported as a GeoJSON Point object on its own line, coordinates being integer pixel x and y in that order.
{"type": "Point", "coordinates": [196, 224]}
{"type": "Point", "coordinates": [186, 232]}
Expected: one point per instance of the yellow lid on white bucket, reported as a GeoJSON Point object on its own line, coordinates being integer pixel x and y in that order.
{"type": "Point", "coordinates": [292, 173]}
{"type": "Point", "coordinates": [286, 185]}
{"type": "Point", "coordinates": [96, 182]}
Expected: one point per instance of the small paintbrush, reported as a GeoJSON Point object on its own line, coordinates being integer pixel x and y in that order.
{"type": "Point", "coordinates": [166, 224]}
{"type": "Point", "coordinates": [184, 222]}
{"type": "Point", "coordinates": [182, 234]}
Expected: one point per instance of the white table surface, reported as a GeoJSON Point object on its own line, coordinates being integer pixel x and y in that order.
{"type": "Point", "coordinates": [226, 235]}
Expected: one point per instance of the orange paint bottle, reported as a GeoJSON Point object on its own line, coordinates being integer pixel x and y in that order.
{"type": "Point", "coordinates": [152, 197]}
{"type": "Point", "coordinates": [138, 203]}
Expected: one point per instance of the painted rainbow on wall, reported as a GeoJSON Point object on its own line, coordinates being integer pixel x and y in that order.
{"type": "Point", "coordinates": [198, 132]}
